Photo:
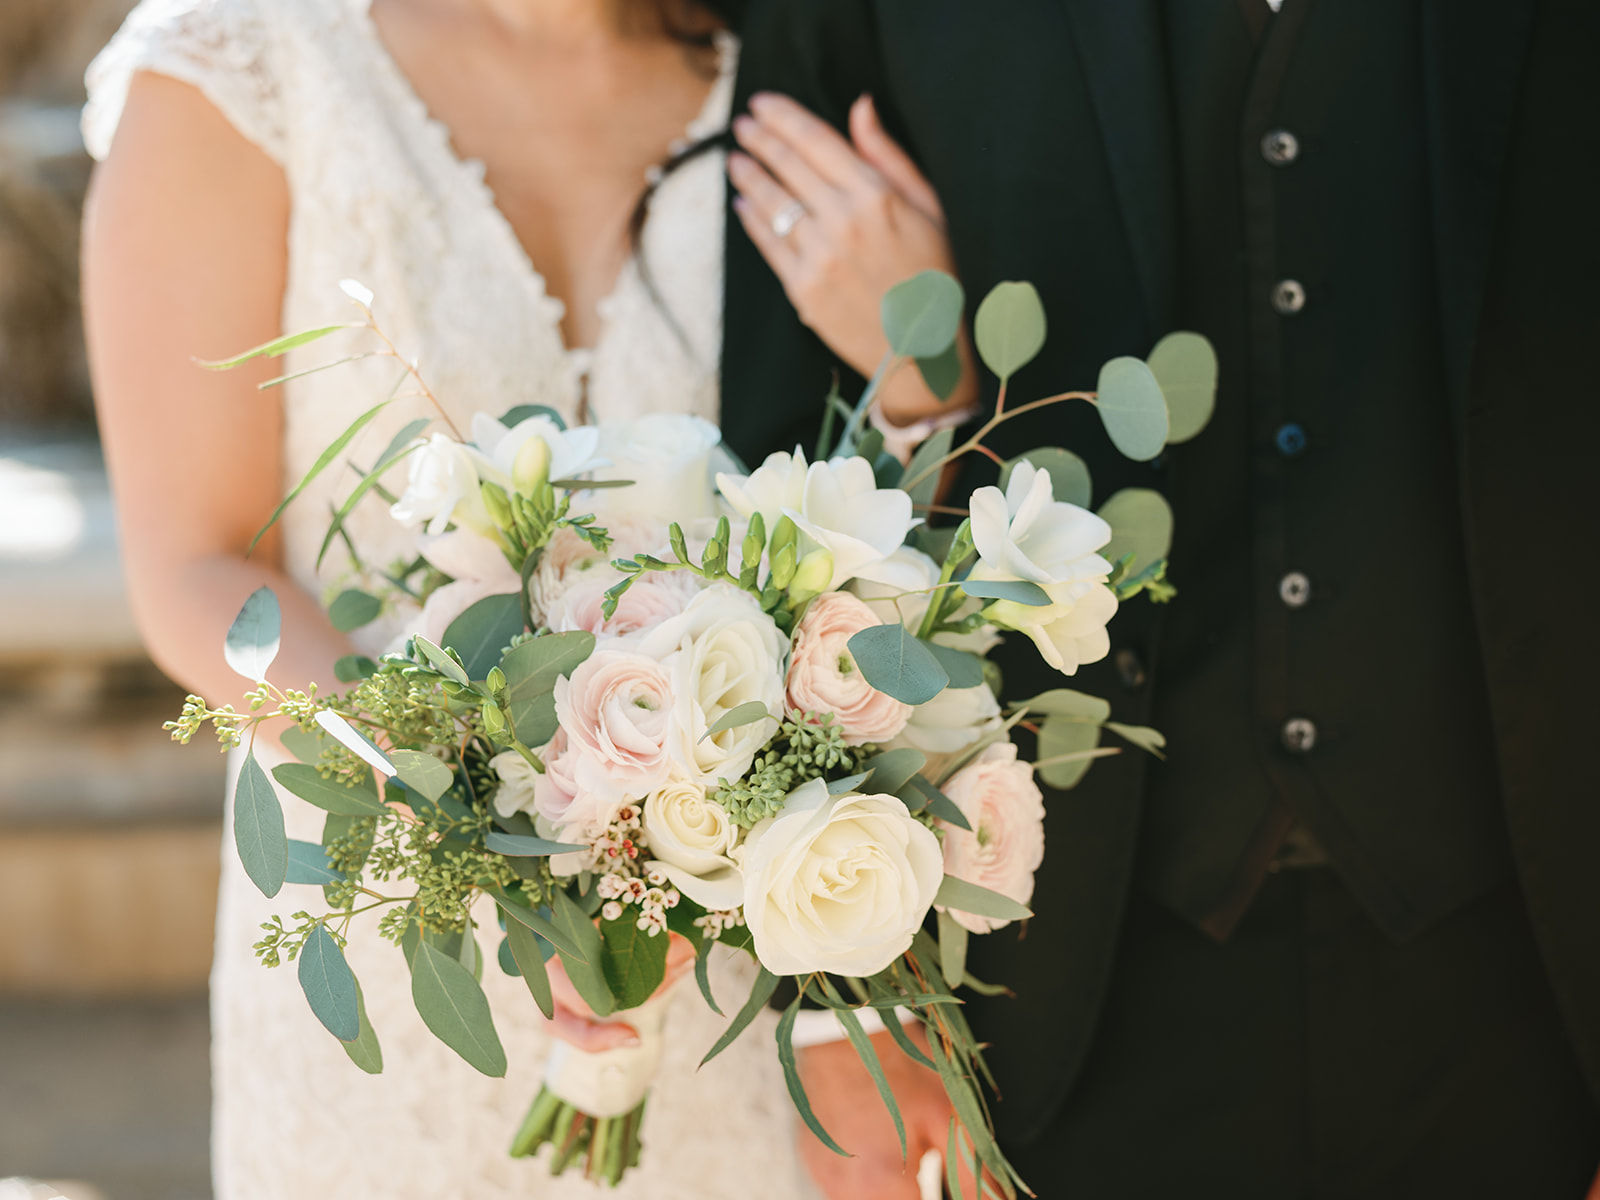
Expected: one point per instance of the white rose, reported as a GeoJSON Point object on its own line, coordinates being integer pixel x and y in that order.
{"type": "Point", "coordinates": [442, 479]}
{"type": "Point", "coordinates": [668, 457]}
{"type": "Point", "coordinates": [721, 651]}
{"type": "Point", "coordinates": [1026, 534]}
{"type": "Point", "coordinates": [838, 883]}
{"type": "Point", "coordinates": [572, 451]}
{"type": "Point", "coordinates": [1005, 845]}
{"type": "Point", "coordinates": [693, 841]}
{"type": "Point", "coordinates": [1069, 631]}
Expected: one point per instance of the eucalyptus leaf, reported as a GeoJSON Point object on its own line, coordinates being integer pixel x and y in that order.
{"type": "Point", "coordinates": [277, 346]}
{"type": "Point", "coordinates": [303, 744]}
{"type": "Point", "coordinates": [634, 962]}
{"type": "Point", "coordinates": [952, 949]}
{"type": "Point", "coordinates": [506, 959]}
{"type": "Point", "coordinates": [440, 661]}
{"type": "Point", "coordinates": [892, 768]}
{"type": "Point", "coordinates": [253, 638]}
{"type": "Point", "coordinates": [308, 863]}
{"type": "Point", "coordinates": [535, 720]}
{"type": "Point", "coordinates": [922, 315]}
{"type": "Point", "coordinates": [364, 1051]}
{"type": "Point", "coordinates": [532, 668]}
{"type": "Point", "coordinates": [942, 372]}
{"type": "Point", "coordinates": [545, 928]}
{"type": "Point", "coordinates": [454, 1007]}
{"type": "Point", "coordinates": [1009, 328]}
{"type": "Point", "coordinates": [1152, 741]}
{"type": "Point", "coordinates": [897, 664]}
{"type": "Point", "coordinates": [329, 985]}
{"type": "Point", "coordinates": [791, 1077]}
{"type": "Point", "coordinates": [841, 787]}
{"type": "Point", "coordinates": [919, 473]}
{"type": "Point", "coordinates": [887, 470]}
{"type": "Point", "coordinates": [529, 956]}
{"type": "Point", "coordinates": [747, 713]}
{"type": "Point", "coordinates": [1132, 408]}
{"type": "Point", "coordinates": [1018, 591]}
{"type": "Point", "coordinates": [964, 668]}
{"type": "Point", "coordinates": [258, 832]}
{"type": "Point", "coordinates": [1069, 474]}
{"type": "Point", "coordinates": [353, 667]}
{"type": "Point", "coordinates": [326, 457]}
{"type": "Point", "coordinates": [979, 901]}
{"type": "Point", "coordinates": [702, 974]}
{"type": "Point", "coordinates": [946, 809]}
{"type": "Point", "coordinates": [353, 740]}
{"type": "Point", "coordinates": [399, 447]}
{"type": "Point", "coordinates": [422, 773]}
{"type": "Point", "coordinates": [517, 846]}
{"type": "Point", "coordinates": [351, 609]}
{"type": "Point", "coordinates": [304, 781]}
{"type": "Point", "coordinates": [586, 972]}
{"type": "Point", "coordinates": [1064, 702]}
{"type": "Point", "coordinates": [915, 793]}
{"type": "Point", "coordinates": [760, 992]}
{"type": "Point", "coordinates": [519, 413]}
{"type": "Point", "coordinates": [1185, 366]}
{"type": "Point", "coordinates": [868, 1055]}
{"type": "Point", "coordinates": [1059, 737]}
{"type": "Point", "coordinates": [483, 631]}
{"type": "Point", "coordinates": [1141, 525]}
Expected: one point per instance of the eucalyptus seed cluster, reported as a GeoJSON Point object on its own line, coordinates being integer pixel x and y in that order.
{"type": "Point", "coordinates": [809, 747]}
{"type": "Point", "coordinates": [227, 723]}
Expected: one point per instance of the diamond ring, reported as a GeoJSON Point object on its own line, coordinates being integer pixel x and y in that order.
{"type": "Point", "coordinates": [787, 217]}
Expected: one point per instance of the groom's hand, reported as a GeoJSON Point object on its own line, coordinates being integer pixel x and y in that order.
{"type": "Point", "coordinates": [847, 1104]}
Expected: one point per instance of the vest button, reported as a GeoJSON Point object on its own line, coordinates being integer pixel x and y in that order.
{"type": "Point", "coordinates": [1299, 735]}
{"type": "Point", "coordinates": [1291, 440]}
{"type": "Point", "coordinates": [1288, 297]}
{"type": "Point", "coordinates": [1280, 147]}
{"type": "Point", "coordinates": [1294, 589]}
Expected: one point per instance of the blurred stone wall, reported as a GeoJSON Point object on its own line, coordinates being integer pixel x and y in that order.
{"type": "Point", "coordinates": [44, 47]}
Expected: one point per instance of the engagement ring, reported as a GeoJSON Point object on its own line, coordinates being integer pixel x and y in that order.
{"type": "Point", "coordinates": [787, 217]}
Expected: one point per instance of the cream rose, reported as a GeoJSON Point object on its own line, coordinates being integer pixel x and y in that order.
{"type": "Point", "coordinates": [1005, 845]}
{"type": "Point", "coordinates": [693, 841]}
{"type": "Point", "coordinates": [616, 710]}
{"type": "Point", "coordinates": [838, 883]}
{"type": "Point", "coordinates": [823, 678]}
{"type": "Point", "coordinates": [721, 651]}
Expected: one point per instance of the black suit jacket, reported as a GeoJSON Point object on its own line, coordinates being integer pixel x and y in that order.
{"type": "Point", "coordinates": [1044, 126]}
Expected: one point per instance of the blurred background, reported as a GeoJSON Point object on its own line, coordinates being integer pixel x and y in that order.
{"type": "Point", "coordinates": [109, 833]}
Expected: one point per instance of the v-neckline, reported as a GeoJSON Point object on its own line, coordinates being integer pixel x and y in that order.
{"type": "Point", "coordinates": [473, 175]}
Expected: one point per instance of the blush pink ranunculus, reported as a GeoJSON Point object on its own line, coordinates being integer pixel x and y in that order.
{"type": "Point", "coordinates": [1005, 845]}
{"type": "Point", "coordinates": [651, 600]}
{"type": "Point", "coordinates": [616, 710]}
{"type": "Point", "coordinates": [824, 678]}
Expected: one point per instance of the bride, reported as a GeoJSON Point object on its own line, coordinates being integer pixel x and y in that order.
{"type": "Point", "coordinates": [482, 166]}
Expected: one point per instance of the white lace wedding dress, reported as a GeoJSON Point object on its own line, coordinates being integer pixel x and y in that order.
{"type": "Point", "coordinates": [380, 196]}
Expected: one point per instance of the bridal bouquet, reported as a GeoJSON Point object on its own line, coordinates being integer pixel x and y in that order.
{"type": "Point", "coordinates": [648, 706]}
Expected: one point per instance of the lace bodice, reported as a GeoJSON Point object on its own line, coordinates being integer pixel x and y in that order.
{"type": "Point", "coordinates": [378, 195]}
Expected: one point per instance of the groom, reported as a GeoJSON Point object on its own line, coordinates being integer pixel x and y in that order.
{"type": "Point", "coordinates": [1345, 940]}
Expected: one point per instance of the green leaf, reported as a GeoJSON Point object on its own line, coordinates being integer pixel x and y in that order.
{"type": "Point", "coordinates": [760, 992]}
{"type": "Point", "coordinates": [952, 1172]}
{"type": "Point", "coordinates": [1018, 591]}
{"type": "Point", "coordinates": [258, 828]}
{"type": "Point", "coordinates": [952, 949]}
{"type": "Point", "coordinates": [364, 1051]}
{"type": "Point", "coordinates": [921, 315]}
{"type": "Point", "coordinates": [702, 976]}
{"type": "Point", "coordinates": [1064, 702]}
{"type": "Point", "coordinates": [308, 863]}
{"type": "Point", "coordinates": [915, 793]}
{"type": "Point", "coordinates": [353, 667]}
{"type": "Point", "coordinates": [897, 664]}
{"type": "Point", "coordinates": [519, 413]}
{"type": "Point", "coordinates": [634, 962]}
{"type": "Point", "coordinates": [791, 1076]}
{"type": "Point", "coordinates": [964, 668]}
{"type": "Point", "coordinates": [585, 972]}
{"type": "Point", "coordinates": [891, 769]}
{"type": "Point", "coordinates": [328, 794]}
{"type": "Point", "coordinates": [869, 1058]}
{"type": "Point", "coordinates": [1151, 741]}
{"type": "Point", "coordinates": [440, 661]}
{"type": "Point", "coordinates": [930, 452]}
{"type": "Point", "coordinates": [1069, 474]}
{"type": "Point", "coordinates": [482, 633]}
{"type": "Point", "coordinates": [747, 713]}
{"type": "Point", "coordinates": [946, 809]}
{"type": "Point", "coordinates": [1132, 408]}
{"type": "Point", "coordinates": [546, 929]}
{"type": "Point", "coordinates": [1061, 736]}
{"type": "Point", "coordinates": [276, 347]}
{"type": "Point", "coordinates": [515, 845]}
{"type": "Point", "coordinates": [253, 638]}
{"type": "Point", "coordinates": [535, 720]}
{"type": "Point", "coordinates": [326, 457]}
{"type": "Point", "coordinates": [1185, 367]}
{"type": "Point", "coordinates": [979, 901]}
{"type": "Point", "coordinates": [839, 787]}
{"type": "Point", "coordinates": [1141, 525]}
{"type": "Point", "coordinates": [303, 744]}
{"type": "Point", "coordinates": [530, 962]}
{"type": "Point", "coordinates": [454, 1007]}
{"type": "Point", "coordinates": [422, 773]}
{"type": "Point", "coordinates": [941, 372]}
{"type": "Point", "coordinates": [351, 609]}
{"type": "Point", "coordinates": [329, 985]}
{"type": "Point", "coordinates": [397, 449]}
{"type": "Point", "coordinates": [902, 1039]}
{"type": "Point", "coordinates": [1009, 328]}
{"type": "Point", "coordinates": [531, 670]}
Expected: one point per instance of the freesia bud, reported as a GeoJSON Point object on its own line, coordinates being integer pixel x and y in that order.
{"type": "Point", "coordinates": [494, 499]}
{"type": "Point", "coordinates": [811, 577]}
{"type": "Point", "coordinates": [784, 534]}
{"type": "Point", "coordinates": [496, 680]}
{"type": "Point", "coordinates": [531, 469]}
{"type": "Point", "coordinates": [783, 564]}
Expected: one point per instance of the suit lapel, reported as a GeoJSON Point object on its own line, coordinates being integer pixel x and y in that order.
{"type": "Point", "coordinates": [1120, 51]}
{"type": "Point", "coordinates": [1472, 72]}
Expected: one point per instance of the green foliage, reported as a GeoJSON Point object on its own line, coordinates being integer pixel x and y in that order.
{"type": "Point", "coordinates": [921, 315]}
{"type": "Point", "coordinates": [252, 641]}
{"type": "Point", "coordinates": [919, 471]}
{"type": "Point", "coordinates": [952, 950]}
{"type": "Point", "coordinates": [422, 773]}
{"type": "Point", "coordinates": [454, 1008]}
{"type": "Point", "coordinates": [520, 913]}
{"type": "Point", "coordinates": [1018, 591]}
{"type": "Point", "coordinates": [352, 667]}
{"type": "Point", "coordinates": [329, 985]}
{"type": "Point", "coordinates": [809, 747]}
{"type": "Point", "coordinates": [1151, 741]}
{"type": "Point", "coordinates": [1009, 328]}
{"type": "Point", "coordinates": [520, 846]}
{"type": "Point", "coordinates": [1069, 474]}
{"type": "Point", "coordinates": [760, 992]}
{"type": "Point", "coordinates": [308, 863]}
{"type": "Point", "coordinates": [868, 1055]}
{"type": "Point", "coordinates": [1132, 408]}
{"type": "Point", "coordinates": [276, 347]}
{"type": "Point", "coordinates": [1065, 745]}
{"type": "Point", "coordinates": [398, 448]}
{"type": "Point", "coordinates": [530, 961]}
{"type": "Point", "coordinates": [351, 609]}
{"type": "Point", "coordinates": [941, 372]}
{"type": "Point", "coordinates": [634, 962]}
{"type": "Point", "coordinates": [979, 901]}
{"type": "Point", "coordinates": [891, 769]}
{"type": "Point", "coordinates": [747, 713]}
{"type": "Point", "coordinates": [586, 972]}
{"type": "Point", "coordinates": [519, 413]}
{"type": "Point", "coordinates": [1185, 366]}
{"type": "Point", "coordinates": [791, 1077]}
{"type": "Point", "coordinates": [1141, 525]}
{"type": "Point", "coordinates": [481, 634]}
{"type": "Point", "coordinates": [897, 664]}
{"type": "Point", "coordinates": [531, 670]}
{"type": "Point", "coordinates": [1065, 702]}
{"type": "Point", "coordinates": [323, 459]}
{"type": "Point", "coordinates": [258, 828]}
{"type": "Point", "coordinates": [964, 668]}
{"type": "Point", "coordinates": [330, 795]}
{"type": "Point", "coordinates": [364, 1051]}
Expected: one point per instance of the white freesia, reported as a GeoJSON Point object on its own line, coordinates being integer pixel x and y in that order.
{"type": "Point", "coordinates": [693, 841]}
{"type": "Point", "coordinates": [1027, 534]}
{"type": "Point", "coordinates": [838, 883]}
{"type": "Point", "coordinates": [443, 479]}
{"type": "Point", "coordinates": [721, 651]}
{"type": "Point", "coordinates": [902, 590]}
{"type": "Point", "coordinates": [572, 451]}
{"type": "Point", "coordinates": [951, 721]}
{"type": "Point", "coordinates": [517, 782]}
{"type": "Point", "coordinates": [668, 457]}
{"type": "Point", "coordinates": [1069, 631]}
{"type": "Point", "coordinates": [775, 487]}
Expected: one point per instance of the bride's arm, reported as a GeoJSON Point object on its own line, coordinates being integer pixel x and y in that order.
{"type": "Point", "coordinates": [185, 255]}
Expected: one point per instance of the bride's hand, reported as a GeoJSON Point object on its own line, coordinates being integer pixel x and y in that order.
{"type": "Point", "coordinates": [866, 220]}
{"type": "Point", "coordinates": [575, 1022]}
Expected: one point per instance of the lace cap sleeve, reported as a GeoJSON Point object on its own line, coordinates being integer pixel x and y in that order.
{"type": "Point", "coordinates": [221, 47]}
